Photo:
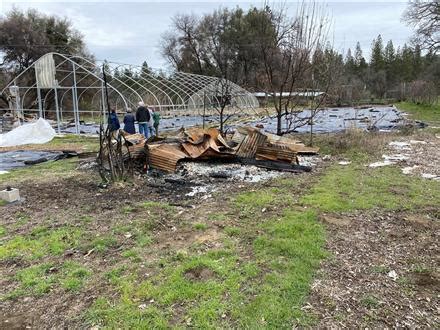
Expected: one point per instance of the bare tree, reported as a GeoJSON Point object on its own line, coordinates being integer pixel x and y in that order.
{"type": "Point", "coordinates": [424, 16]}
{"type": "Point", "coordinates": [287, 61]}
{"type": "Point", "coordinates": [224, 101]}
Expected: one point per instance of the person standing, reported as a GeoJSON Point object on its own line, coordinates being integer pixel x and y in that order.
{"type": "Point", "coordinates": [113, 121]}
{"type": "Point", "coordinates": [156, 119]}
{"type": "Point", "coordinates": [151, 121]}
{"type": "Point", "coordinates": [143, 117]}
{"type": "Point", "coordinates": [129, 122]}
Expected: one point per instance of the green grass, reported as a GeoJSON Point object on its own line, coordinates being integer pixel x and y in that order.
{"type": "Point", "coordinates": [219, 288]}
{"type": "Point", "coordinates": [149, 303]}
{"type": "Point", "coordinates": [132, 255]}
{"type": "Point", "coordinates": [157, 206]}
{"type": "Point", "coordinates": [40, 243]}
{"type": "Point", "coordinates": [356, 187]}
{"type": "Point", "coordinates": [40, 279]}
{"type": "Point", "coordinates": [200, 226]}
{"type": "Point", "coordinates": [48, 170]}
{"type": "Point", "coordinates": [221, 217]}
{"type": "Point", "coordinates": [422, 112]}
{"type": "Point", "coordinates": [369, 301]}
{"type": "Point", "coordinates": [254, 200]}
{"type": "Point", "coordinates": [292, 248]}
{"type": "Point", "coordinates": [80, 141]}
{"type": "Point", "coordinates": [73, 276]}
{"type": "Point", "coordinates": [102, 244]}
{"type": "Point", "coordinates": [232, 231]}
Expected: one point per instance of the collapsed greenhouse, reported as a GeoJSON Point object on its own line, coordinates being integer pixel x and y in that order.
{"type": "Point", "coordinates": [71, 88]}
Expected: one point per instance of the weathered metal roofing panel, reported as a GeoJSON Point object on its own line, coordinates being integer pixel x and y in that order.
{"type": "Point", "coordinates": [165, 156]}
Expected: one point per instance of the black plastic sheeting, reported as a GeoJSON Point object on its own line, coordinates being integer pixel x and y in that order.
{"type": "Point", "coordinates": [339, 119]}
{"type": "Point", "coordinates": [10, 160]}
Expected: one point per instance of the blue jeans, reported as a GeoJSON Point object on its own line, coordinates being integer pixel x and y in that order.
{"type": "Point", "coordinates": [151, 128]}
{"type": "Point", "coordinates": [144, 129]}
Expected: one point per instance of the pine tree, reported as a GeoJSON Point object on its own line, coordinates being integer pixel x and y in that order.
{"type": "Point", "coordinates": [389, 54]}
{"type": "Point", "coordinates": [406, 67]}
{"type": "Point", "coordinates": [377, 62]}
{"type": "Point", "coordinates": [350, 66]}
{"type": "Point", "coordinates": [417, 61]}
{"type": "Point", "coordinates": [390, 64]}
{"type": "Point", "coordinates": [359, 60]}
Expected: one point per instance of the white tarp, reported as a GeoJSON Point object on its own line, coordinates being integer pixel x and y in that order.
{"type": "Point", "coordinates": [34, 133]}
{"type": "Point", "coordinates": [45, 71]}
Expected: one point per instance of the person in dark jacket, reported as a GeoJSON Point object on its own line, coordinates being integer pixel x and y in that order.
{"type": "Point", "coordinates": [143, 117]}
{"type": "Point", "coordinates": [129, 122]}
{"type": "Point", "coordinates": [113, 121]}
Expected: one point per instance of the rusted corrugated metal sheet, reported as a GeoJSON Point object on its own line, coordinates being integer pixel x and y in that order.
{"type": "Point", "coordinates": [165, 156]}
{"type": "Point", "coordinates": [252, 139]}
{"type": "Point", "coordinates": [290, 143]}
{"type": "Point", "coordinates": [136, 150]}
{"type": "Point", "coordinates": [196, 150]}
{"type": "Point", "coordinates": [275, 153]}
{"type": "Point", "coordinates": [134, 138]}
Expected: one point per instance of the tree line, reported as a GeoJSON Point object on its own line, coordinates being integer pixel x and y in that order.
{"type": "Point", "coordinates": [250, 48]}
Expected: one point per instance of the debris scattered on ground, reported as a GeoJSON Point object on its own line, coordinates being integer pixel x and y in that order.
{"type": "Point", "coordinates": [418, 157]}
{"type": "Point", "coordinates": [400, 145]}
{"type": "Point", "coordinates": [344, 162]}
{"type": "Point", "coordinates": [382, 273]}
{"type": "Point", "coordinates": [389, 160]}
{"type": "Point", "coordinates": [430, 176]}
{"type": "Point", "coordinates": [409, 169]}
{"type": "Point", "coordinates": [392, 274]}
{"type": "Point", "coordinates": [248, 145]}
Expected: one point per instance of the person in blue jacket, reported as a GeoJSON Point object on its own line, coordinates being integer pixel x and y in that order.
{"type": "Point", "coordinates": [129, 122]}
{"type": "Point", "coordinates": [113, 121]}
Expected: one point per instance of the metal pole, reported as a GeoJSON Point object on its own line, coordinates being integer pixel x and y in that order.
{"type": "Point", "coordinates": [103, 103]}
{"type": "Point", "coordinates": [75, 101]}
{"type": "Point", "coordinates": [204, 108]}
{"type": "Point", "coordinates": [57, 108]}
{"type": "Point", "coordinates": [40, 107]}
{"type": "Point", "coordinates": [17, 104]}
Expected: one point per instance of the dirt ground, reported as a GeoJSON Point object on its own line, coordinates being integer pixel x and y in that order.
{"type": "Point", "coordinates": [383, 271]}
{"type": "Point", "coordinates": [66, 201]}
{"type": "Point", "coordinates": [383, 268]}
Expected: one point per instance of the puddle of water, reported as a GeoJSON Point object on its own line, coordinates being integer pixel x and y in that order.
{"type": "Point", "coordinates": [15, 159]}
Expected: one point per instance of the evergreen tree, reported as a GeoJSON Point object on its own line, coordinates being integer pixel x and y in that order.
{"type": "Point", "coordinates": [359, 60]}
{"type": "Point", "coordinates": [350, 65]}
{"type": "Point", "coordinates": [377, 62]}
{"type": "Point", "coordinates": [406, 64]}
{"type": "Point", "coordinates": [390, 64]}
{"type": "Point", "coordinates": [417, 61]}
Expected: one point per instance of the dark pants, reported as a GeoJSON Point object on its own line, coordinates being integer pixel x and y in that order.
{"type": "Point", "coordinates": [156, 128]}
{"type": "Point", "coordinates": [143, 129]}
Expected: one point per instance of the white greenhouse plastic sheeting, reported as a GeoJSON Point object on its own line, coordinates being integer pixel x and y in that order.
{"type": "Point", "coordinates": [34, 133]}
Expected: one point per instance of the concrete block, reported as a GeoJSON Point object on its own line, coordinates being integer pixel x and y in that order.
{"type": "Point", "coordinates": [10, 195]}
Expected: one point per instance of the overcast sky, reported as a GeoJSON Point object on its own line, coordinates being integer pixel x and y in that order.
{"type": "Point", "coordinates": [129, 32]}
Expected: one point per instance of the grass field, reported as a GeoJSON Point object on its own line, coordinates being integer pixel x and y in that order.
{"type": "Point", "coordinates": [427, 113]}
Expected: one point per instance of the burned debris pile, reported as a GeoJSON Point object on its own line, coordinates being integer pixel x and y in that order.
{"type": "Point", "coordinates": [247, 145]}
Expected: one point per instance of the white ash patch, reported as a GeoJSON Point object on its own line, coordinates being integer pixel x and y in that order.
{"type": "Point", "coordinates": [416, 156]}
{"type": "Point", "coordinates": [229, 172]}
